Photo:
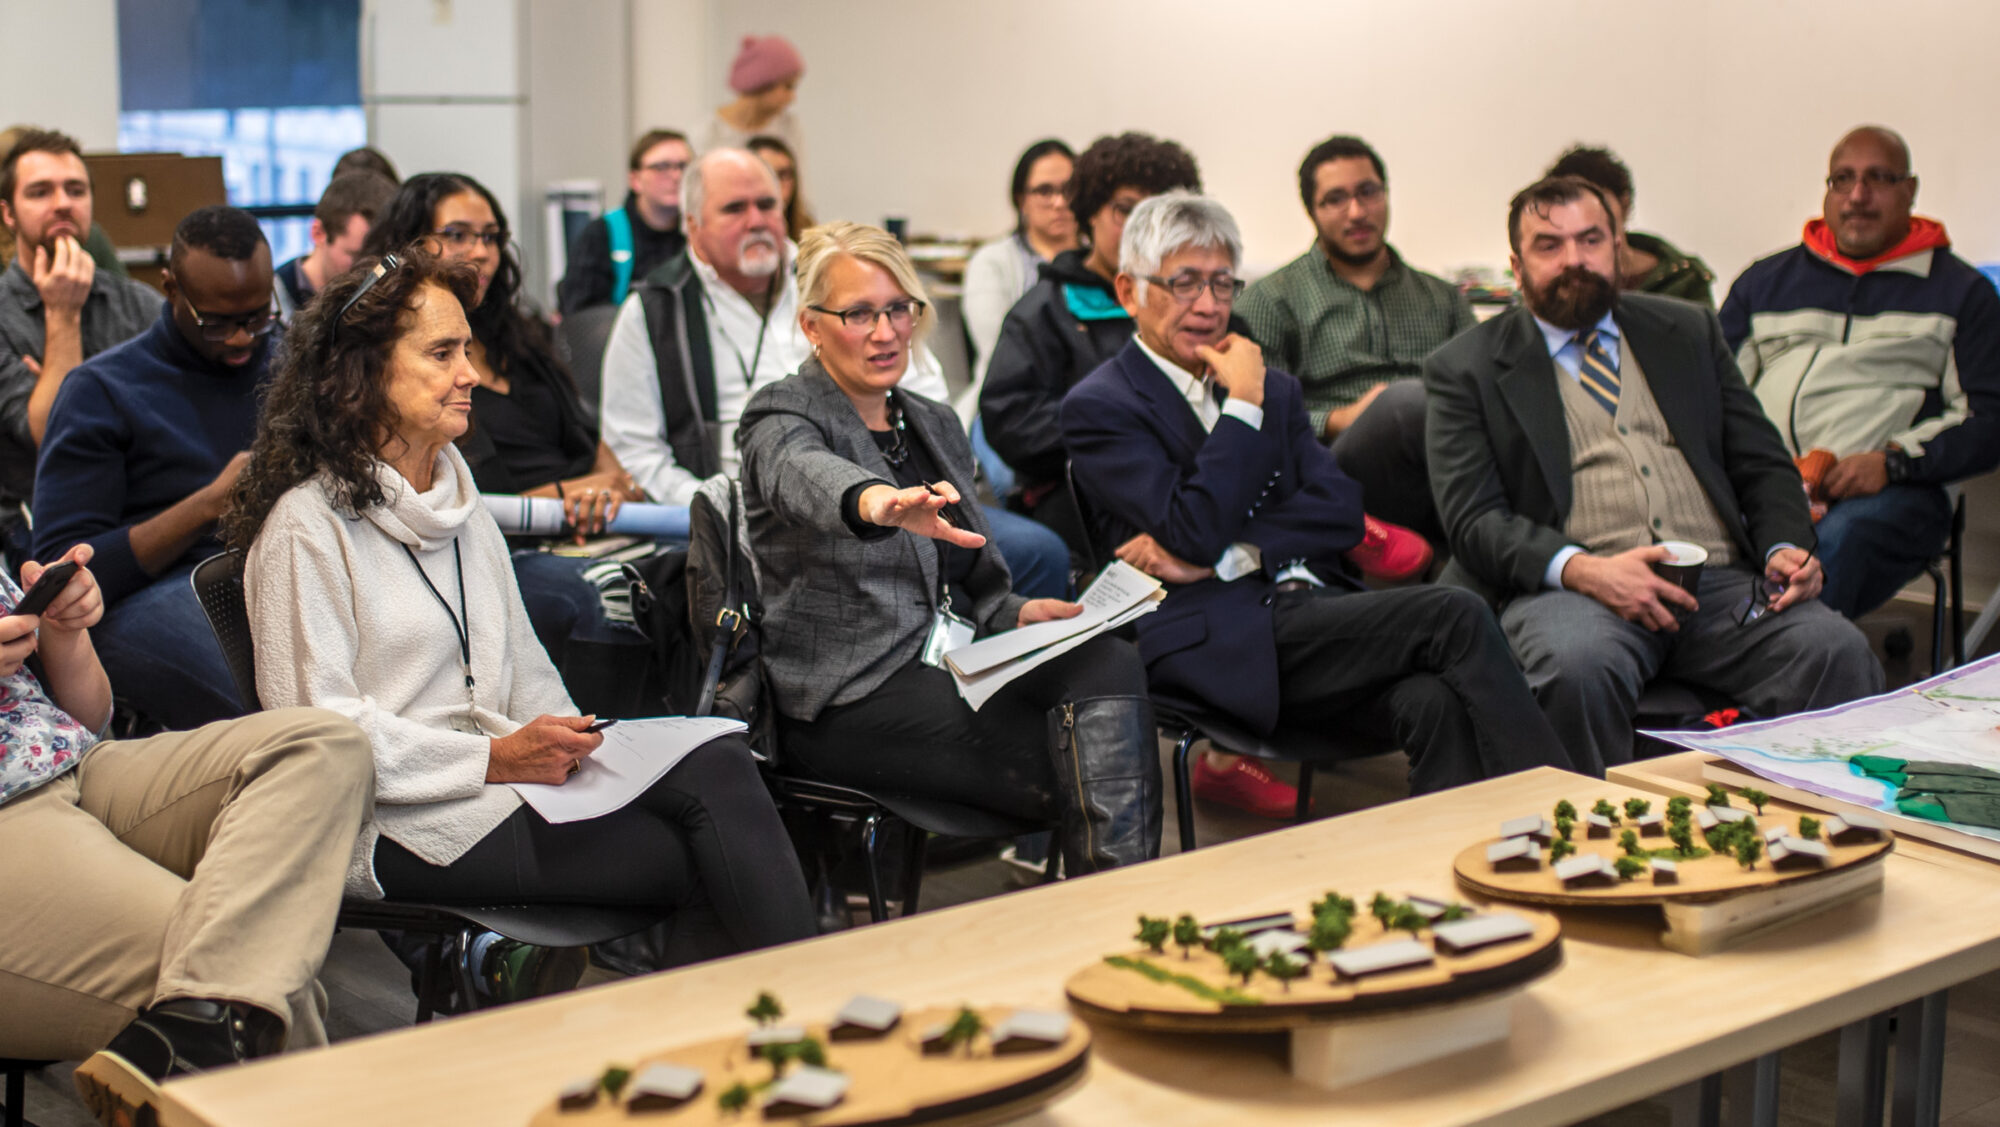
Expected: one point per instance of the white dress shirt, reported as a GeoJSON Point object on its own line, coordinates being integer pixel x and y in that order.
{"type": "Point", "coordinates": [633, 420]}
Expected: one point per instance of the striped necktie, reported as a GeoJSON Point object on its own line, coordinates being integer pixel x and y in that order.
{"type": "Point", "coordinates": [1597, 374]}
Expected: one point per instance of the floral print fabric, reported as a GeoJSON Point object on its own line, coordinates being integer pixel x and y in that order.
{"type": "Point", "coordinates": [38, 741]}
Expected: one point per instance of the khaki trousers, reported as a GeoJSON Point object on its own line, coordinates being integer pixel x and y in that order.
{"type": "Point", "coordinates": [202, 864]}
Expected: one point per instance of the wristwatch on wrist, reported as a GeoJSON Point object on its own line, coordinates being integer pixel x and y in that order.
{"type": "Point", "coordinates": [1896, 464]}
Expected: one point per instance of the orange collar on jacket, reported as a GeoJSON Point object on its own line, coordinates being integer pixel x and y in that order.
{"type": "Point", "coordinates": [1924, 234]}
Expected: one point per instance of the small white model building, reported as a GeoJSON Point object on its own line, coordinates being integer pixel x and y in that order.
{"type": "Point", "coordinates": [1583, 870]}
{"type": "Point", "coordinates": [1028, 1030]}
{"type": "Point", "coordinates": [1514, 853]}
{"type": "Point", "coordinates": [1252, 925]}
{"type": "Point", "coordinates": [579, 1094]}
{"type": "Point", "coordinates": [662, 1086]}
{"type": "Point", "coordinates": [1728, 813]}
{"type": "Point", "coordinates": [1665, 871]}
{"type": "Point", "coordinates": [1358, 961]}
{"type": "Point", "coordinates": [806, 1089]}
{"type": "Point", "coordinates": [1797, 853]}
{"type": "Point", "coordinates": [774, 1035]}
{"type": "Point", "coordinates": [1774, 833]}
{"type": "Point", "coordinates": [1530, 825]}
{"type": "Point", "coordinates": [1651, 824]}
{"type": "Point", "coordinates": [1428, 907]}
{"type": "Point", "coordinates": [863, 1017]}
{"type": "Point", "coordinates": [1597, 825]}
{"type": "Point", "coordinates": [1459, 936]}
{"type": "Point", "coordinates": [1279, 941]}
{"type": "Point", "coordinates": [1705, 818]}
{"type": "Point", "coordinates": [1847, 829]}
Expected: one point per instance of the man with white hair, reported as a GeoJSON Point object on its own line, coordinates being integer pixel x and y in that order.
{"type": "Point", "coordinates": [717, 322]}
{"type": "Point", "coordinates": [1204, 466]}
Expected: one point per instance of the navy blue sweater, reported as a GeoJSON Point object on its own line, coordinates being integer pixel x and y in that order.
{"type": "Point", "coordinates": [134, 430]}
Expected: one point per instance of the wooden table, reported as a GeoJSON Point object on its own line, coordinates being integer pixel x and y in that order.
{"type": "Point", "coordinates": [1621, 1020]}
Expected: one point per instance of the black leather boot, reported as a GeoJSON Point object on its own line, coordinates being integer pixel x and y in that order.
{"type": "Point", "coordinates": [120, 1085]}
{"type": "Point", "coordinates": [1107, 764]}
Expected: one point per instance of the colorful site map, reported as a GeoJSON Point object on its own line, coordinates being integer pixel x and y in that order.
{"type": "Point", "coordinates": [1951, 718]}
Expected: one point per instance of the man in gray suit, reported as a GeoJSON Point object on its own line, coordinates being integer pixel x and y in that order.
{"type": "Point", "coordinates": [1570, 439]}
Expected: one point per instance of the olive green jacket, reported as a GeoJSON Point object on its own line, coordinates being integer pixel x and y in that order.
{"type": "Point", "coordinates": [1676, 274]}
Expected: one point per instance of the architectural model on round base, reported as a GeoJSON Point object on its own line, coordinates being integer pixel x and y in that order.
{"type": "Point", "coordinates": [872, 1065]}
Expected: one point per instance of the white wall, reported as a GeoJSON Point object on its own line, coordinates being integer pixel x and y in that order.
{"type": "Point", "coordinates": [62, 68]}
{"type": "Point", "coordinates": [1725, 109]}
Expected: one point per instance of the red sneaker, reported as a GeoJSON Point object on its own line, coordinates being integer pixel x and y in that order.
{"type": "Point", "coordinates": [1389, 552]}
{"type": "Point", "coordinates": [1246, 786]}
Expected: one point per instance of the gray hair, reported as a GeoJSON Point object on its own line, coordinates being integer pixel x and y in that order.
{"type": "Point", "coordinates": [1170, 222]}
{"type": "Point", "coordinates": [694, 185]}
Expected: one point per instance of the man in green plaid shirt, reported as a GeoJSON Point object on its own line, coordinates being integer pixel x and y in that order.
{"type": "Point", "coordinates": [1354, 323]}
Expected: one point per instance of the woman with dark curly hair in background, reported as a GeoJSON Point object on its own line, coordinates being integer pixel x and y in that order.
{"type": "Point", "coordinates": [378, 587]}
{"type": "Point", "coordinates": [529, 432]}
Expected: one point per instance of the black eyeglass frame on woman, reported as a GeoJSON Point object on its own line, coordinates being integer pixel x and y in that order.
{"type": "Point", "coordinates": [902, 315]}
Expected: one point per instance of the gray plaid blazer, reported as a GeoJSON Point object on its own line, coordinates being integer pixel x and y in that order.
{"type": "Point", "coordinates": [841, 614]}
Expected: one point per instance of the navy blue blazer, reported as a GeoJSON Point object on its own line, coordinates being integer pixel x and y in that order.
{"type": "Point", "coordinates": [1143, 464]}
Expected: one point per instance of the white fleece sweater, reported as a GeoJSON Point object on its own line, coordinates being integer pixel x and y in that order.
{"type": "Point", "coordinates": [341, 620]}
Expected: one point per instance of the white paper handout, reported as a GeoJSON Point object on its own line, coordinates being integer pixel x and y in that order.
{"type": "Point", "coordinates": [1120, 595]}
{"type": "Point", "coordinates": [633, 756]}
{"type": "Point", "coordinates": [1118, 589]}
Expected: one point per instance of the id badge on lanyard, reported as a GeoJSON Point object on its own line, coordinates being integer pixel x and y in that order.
{"type": "Point", "coordinates": [948, 632]}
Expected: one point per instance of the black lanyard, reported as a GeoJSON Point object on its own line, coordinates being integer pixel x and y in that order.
{"type": "Point", "coordinates": [460, 624]}
{"type": "Point", "coordinates": [749, 370]}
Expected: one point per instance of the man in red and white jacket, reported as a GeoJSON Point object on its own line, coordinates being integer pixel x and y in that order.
{"type": "Point", "coordinates": [1871, 341]}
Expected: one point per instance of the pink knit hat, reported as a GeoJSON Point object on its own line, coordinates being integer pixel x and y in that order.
{"type": "Point", "coordinates": [764, 60]}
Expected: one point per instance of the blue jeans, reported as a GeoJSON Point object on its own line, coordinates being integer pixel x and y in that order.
{"type": "Point", "coordinates": [162, 657]}
{"type": "Point", "coordinates": [1871, 546]}
{"type": "Point", "coordinates": [564, 606]}
{"type": "Point", "coordinates": [999, 475]}
{"type": "Point", "coordinates": [1036, 556]}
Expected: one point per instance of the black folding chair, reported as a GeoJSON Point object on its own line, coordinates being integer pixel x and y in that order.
{"type": "Point", "coordinates": [15, 1112]}
{"type": "Point", "coordinates": [218, 584]}
{"type": "Point", "coordinates": [1954, 555]}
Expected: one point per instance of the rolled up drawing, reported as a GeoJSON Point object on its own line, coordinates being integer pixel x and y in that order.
{"type": "Point", "coordinates": [543, 516]}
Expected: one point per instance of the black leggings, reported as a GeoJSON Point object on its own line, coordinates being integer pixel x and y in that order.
{"type": "Point", "coordinates": [915, 735]}
{"type": "Point", "coordinates": [704, 842]}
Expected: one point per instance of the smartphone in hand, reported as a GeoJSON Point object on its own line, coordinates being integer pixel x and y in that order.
{"type": "Point", "coordinates": [45, 590]}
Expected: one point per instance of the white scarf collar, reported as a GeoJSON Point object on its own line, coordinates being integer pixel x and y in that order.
{"type": "Point", "coordinates": [431, 519]}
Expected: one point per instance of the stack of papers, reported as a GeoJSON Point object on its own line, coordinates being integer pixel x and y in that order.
{"type": "Point", "coordinates": [635, 754]}
{"type": "Point", "coordinates": [1120, 595]}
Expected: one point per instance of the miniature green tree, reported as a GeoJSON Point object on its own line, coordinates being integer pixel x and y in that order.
{"type": "Point", "coordinates": [1407, 918]}
{"type": "Point", "coordinates": [1561, 848]}
{"type": "Point", "coordinates": [1679, 806]}
{"type": "Point", "coordinates": [765, 1010]}
{"type": "Point", "coordinates": [1329, 931]}
{"type": "Point", "coordinates": [1629, 842]}
{"type": "Point", "coordinates": [1154, 931]}
{"type": "Point", "coordinates": [1382, 908]}
{"type": "Point", "coordinates": [964, 1030]}
{"type": "Point", "coordinates": [1756, 798]}
{"type": "Point", "coordinates": [1681, 833]}
{"type": "Point", "coordinates": [1454, 911]}
{"type": "Point", "coordinates": [1749, 847]}
{"type": "Point", "coordinates": [1334, 902]}
{"type": "Point", "coordinates": [779, 1055]}
{"type": "Point", "coordinates": [1284, 968]}
{"type": "Point", "coordinates": [734, 1098]}
{"type": "Point", "coordinates": [1808, 827]}
{"type": "Point", "coordinates": [810, 1051]}
{"type": "Point", "coordinates": [1718, 795]}
{"type": "Point", "coordinates": [1225, 940]}
{"type": "Point", "coordinates": [1605, 810]}
{"type": "Point", "coordinates": [1637, 808]}
{"type": "Point", "coordinates": [1721, 838]}
{"type": "Point", "coordinates": [1187, 935]}
{"type": "Point", "coordinates": [1565, 809]}
{"type": "Point", "coordinates": [614, 1079]}
{"type": "Point", "coordinates": [1630, 866]}
{"type": "Point", "coordinates": [1242, 960]}
{"type": "Point", "coordinates": [1564, 826]}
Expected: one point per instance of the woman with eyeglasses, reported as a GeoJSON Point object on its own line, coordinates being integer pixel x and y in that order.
{"type": "Point", "coordinates": [871, 566]}
{"type": "Point", "coordinates": [378, 587]}
{"type": "Point", "coordinates": [529, 434]}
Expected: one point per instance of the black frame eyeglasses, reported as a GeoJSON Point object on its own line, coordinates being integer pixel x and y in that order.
{"type": "Point", "coordinates": [1877, 179]}
{"type": "Point", "coordinates": [902, 315]}
{"type": "Point", "coordinates": [1763, 593]}
{"type": "Point", "coordinates": [216, 328]}
{"type": "Point", "coordinates": [1186, 288]}
{"type": "Point", "coordinates": [459, 238]}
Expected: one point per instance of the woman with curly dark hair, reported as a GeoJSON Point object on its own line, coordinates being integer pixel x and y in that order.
{"type": "Point", "coordinates": [530, 434]}
{"type": "Point", "coordinates": [378, 586]}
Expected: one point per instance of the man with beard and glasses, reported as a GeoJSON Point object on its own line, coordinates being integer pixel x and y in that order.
{"type": "Point", "coordinates": [1569, 439]}
{"type": "Point", "coordinates": [1354, 323]}
{"type": "Point", "coordinates": [1877, 352]}
{"type": "Point", "coordinates": [717, 323]}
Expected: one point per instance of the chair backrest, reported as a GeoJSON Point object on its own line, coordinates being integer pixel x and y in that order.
{"type": "Point", "coordinates": [1097, 556]}
{"type": "Point", "coordinates": [218, 585]}
{"type": "Point", "coordinates": [585, 334]}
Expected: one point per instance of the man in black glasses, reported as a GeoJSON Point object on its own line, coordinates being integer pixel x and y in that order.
{"type": "Point", "coordinates": [1571, 440]}
{"type": "Point", "coordinates": [624, 245]}
{"type": "Point", "coordinates": [143, 446]}
{"type": "Point", "coordinates": [1877, 352]}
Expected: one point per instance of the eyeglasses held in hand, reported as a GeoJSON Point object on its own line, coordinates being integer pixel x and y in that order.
{"type": "Point", "coordinates": [459, 238]}
{"type": "Point", "coordinates": [1766, 591]}
{"type": "Point", "coordinates": [901, 314]}
{"type": "Point", "coordinates": [1187, 288]}
{"type": "Point", "coordinates": [216, 328]}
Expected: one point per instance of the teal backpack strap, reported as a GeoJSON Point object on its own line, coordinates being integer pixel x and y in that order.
{"type": "Point", "coordinates": [619, 224]}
